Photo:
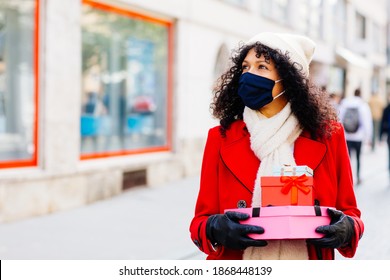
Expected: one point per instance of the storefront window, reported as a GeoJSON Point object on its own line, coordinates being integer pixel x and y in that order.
{"type": "Point", "coordinates": [125, 88]}
{"type": "Point", "coordinates": [18, 78]}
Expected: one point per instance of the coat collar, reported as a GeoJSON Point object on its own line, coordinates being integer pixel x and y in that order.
{"type": "Point", "coordinates": [243, 163]}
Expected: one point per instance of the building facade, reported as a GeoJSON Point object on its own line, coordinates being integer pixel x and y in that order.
{"type": "Point", "coordinates": [97, 96]}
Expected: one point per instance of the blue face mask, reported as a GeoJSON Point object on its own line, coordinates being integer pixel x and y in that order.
{"type": "Point", "coordinates": [256, 91]}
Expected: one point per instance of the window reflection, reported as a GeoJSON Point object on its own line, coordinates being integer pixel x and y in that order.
{"type": "Point", "coordinates": [17, 79]}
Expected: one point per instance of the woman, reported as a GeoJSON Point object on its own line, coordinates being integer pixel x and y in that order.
{"type": "Point", "coordinates": [271, 115]}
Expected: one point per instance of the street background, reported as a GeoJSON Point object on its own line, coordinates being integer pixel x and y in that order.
{"type": "Point", "coordinates": [152, 223]}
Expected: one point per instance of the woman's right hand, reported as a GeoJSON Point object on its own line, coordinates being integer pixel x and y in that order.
{"type": "Point", "coordinates": [225, 229]}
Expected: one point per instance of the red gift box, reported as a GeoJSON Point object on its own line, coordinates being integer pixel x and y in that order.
{"type": "Point", "coordinates": [287, 190]}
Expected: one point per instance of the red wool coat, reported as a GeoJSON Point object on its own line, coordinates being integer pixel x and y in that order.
{"type": "Point", "coordinates": [229, 171]}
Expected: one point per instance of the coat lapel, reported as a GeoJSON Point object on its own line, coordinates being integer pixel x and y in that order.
{"type": "Point", "coordinates": [308, 152]}
{"type": "Point", "coordinates": [241, 161]}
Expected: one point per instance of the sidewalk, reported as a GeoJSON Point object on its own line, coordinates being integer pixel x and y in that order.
{"type": "Point", "coordinates": [143, 223]}
{"type": "Point", "coordinates": [373, 198]}
{"type": "Point", "coordinates": [152, 223]}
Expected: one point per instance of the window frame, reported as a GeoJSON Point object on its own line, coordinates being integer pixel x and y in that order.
{"type": "Point", "coordinates": [361, 26]}
{"type": "Point", "coordinates": [33, 161]}
{"type": "Point", "coordinates": [112, 8]}
{"type": "Point", "coordinates": [274, 9]}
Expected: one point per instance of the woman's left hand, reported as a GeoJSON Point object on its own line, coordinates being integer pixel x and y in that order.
{"type": "Point", "coordinates": [338, 234]}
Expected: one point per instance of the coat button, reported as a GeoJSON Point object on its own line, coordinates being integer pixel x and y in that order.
{"type": "Point", "coordinates": [241, 204]}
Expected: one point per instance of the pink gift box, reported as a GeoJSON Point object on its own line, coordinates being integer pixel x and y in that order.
{"type": "Point", "coordinates": [286, 222]}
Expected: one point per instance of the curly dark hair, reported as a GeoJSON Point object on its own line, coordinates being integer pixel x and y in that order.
{"type": "Point", "coordinates": [309, 103]}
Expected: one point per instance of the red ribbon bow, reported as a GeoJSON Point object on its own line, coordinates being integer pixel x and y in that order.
{"type": "Point", "coordinates": [294, 183]}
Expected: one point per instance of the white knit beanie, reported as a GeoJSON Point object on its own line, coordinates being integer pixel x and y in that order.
{"type": "Point", "coordinates": [300, 49]}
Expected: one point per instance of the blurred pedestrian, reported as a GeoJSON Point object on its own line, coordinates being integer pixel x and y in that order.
{"type": "Point", "coordinates": [94, 106]}
{"type": "Point", "coordinates": [334, 100]}
{"type": "Point", "coordinates": [385, 129]}
{"type": "Point", "coordinates": [376, 104]}
{"type": "Point", "coordinates": [356, 117]}
{"type": "Point", "coordinates": [271, 115]}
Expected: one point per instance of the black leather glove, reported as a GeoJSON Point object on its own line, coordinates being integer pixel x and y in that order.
{"type": "Point", "coordinates": [224, 229]}
{"type": "Point", "coordinates": [338, 234]}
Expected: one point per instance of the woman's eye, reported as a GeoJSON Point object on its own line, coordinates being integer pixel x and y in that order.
{"type": "Point", "coordinates": [263, 67]}
{"type": "Point", "coordinates": [244, 67]}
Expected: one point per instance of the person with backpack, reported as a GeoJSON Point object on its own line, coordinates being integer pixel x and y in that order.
{"type": "Point", "coordinates": [355, 115]}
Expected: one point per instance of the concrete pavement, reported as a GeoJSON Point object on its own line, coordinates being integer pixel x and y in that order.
{"type": "Point", "coordinates": [152, 223]}
{"type": "Point", "coordinates": [142, 223]}
{"type": "Point", "coordinates": [373, 197]}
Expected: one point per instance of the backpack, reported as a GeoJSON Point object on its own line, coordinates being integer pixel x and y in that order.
{"type": "Point", "coordinates": [351, 120]}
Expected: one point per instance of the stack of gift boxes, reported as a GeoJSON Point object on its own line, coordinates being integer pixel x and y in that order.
{"type": "Point", "coordinates": [288, 209]}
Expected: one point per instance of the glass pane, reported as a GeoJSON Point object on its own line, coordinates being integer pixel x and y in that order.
{"type": "Point", "coordinates": [280, 11]}
{"type": "Point", "coordinates": [276, 10]}
{"type": "Point", "coordinates": [124, 89]}
{"type": "Point", "coordinates": [316, 18]}
{"type": "Point", "coordinates": [336, 80]}
{"type": "Point", "coordinates": [266, 8]}
{"type": "Point", "coordinates": [339, 23]}
{"type": "Point", "coordinates": [377, 41]}
{"type": "Point", "coordinates": [17, 78]}
{"type": "Point", "coordinates": [304, 16]}
{"type": "Point", "coordinates": [360, 26]}
{"type": "Point", "coordinates": [240, 3]}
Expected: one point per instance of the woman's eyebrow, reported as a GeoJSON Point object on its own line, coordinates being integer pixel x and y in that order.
{"type": "Point", "coordinates": [257, 61]}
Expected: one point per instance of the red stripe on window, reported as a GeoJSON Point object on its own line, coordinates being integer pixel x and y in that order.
{"type": "Point", "coordinates": [121, 11]}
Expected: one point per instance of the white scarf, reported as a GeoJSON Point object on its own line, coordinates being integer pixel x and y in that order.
{"type": "Point", "coordinates": [272, 140]}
